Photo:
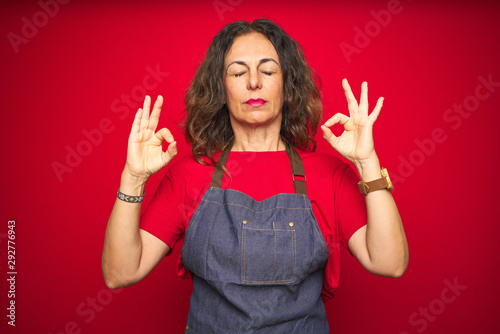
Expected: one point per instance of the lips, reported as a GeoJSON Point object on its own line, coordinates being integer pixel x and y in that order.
{"type": "Point", "coordinates": [256, 102]}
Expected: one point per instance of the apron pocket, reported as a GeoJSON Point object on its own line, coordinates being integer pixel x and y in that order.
{"type": "Point", "coordinates": [268, 256]}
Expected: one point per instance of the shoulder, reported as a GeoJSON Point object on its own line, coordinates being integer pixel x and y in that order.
{"type": "Point", "coordinates": [185, 180]}
{"type": "Point", "coordinates": [323, 164]}
{"type": "Point", "coordinates": [185, 172]}
{"type": "Point", "coordinates": [187, 164]}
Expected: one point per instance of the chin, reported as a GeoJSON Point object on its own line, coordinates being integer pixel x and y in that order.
{"type": "Point", "coordinates": [257, 118]}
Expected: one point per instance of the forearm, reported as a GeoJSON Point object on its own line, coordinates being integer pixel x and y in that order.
{"type": "Point", "coordinates": [122, 242]}
{"type": "Point", "coordinates": [386, 243]}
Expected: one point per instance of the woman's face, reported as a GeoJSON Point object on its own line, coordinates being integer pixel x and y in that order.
{"type": "Point", "coordinates": [254, 82]}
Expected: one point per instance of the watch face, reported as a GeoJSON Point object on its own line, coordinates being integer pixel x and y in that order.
{"type": "Point", "coordinates": [385, 174]}
{"type": "Point", "coordinates": [389, 183]}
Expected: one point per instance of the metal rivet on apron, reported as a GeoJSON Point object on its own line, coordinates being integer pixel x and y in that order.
{"type": "Point", "coordinates": [187, 327]}
{"type": "Point", "coordinates": [291, 224]}
{"type": "Point", "coordinates": [244, 222]}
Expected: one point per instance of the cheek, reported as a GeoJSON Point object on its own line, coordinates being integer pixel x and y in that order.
{"type": "Point", "coordinates": [278, 91]}
{"type": "Point", "coordinates": [277, 86]}
{"type": "Point", "coordinates": [231, 91]}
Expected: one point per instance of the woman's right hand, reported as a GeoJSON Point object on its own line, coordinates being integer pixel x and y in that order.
{"type": "Point", "coordinates": [145, 155]}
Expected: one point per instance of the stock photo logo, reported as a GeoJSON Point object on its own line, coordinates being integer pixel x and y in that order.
{"type": "Point", "coordinates": [363, 37]}
{"type": "Point", "coordinates": [454, 118]}
{"type": "Point", "coordinates": [427, 314]}
{"type": "Point", "coordinates": [31, 26]}
{"type": "Point", "coordinates": [223, 6]}
{"type": "Point", "coordinates": [94, 137]}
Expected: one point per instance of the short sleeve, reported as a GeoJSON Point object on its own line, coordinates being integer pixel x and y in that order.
{"type": "Point", "coordinates": [164, 217]}
{"type": "Point", "coordinates": [350, 206]}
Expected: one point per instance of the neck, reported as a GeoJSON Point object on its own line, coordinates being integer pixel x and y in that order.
{"type": "Point", "coordinates": [257, 139]}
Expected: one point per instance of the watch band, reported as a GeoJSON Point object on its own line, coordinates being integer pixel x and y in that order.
{"type": "Point", "coordinates": [383, 183]}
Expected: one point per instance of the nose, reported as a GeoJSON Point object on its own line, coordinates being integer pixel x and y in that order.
{"type": "Point", "coordinates": [254, 80]}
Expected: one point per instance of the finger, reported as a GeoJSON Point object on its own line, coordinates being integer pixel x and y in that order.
{"type": "Point", "coordinates": [340, 119]}
{"type": "Point", "coordinates": [328, 134]}
{"type": "Point", "coordinates": [155, 114]}
{"type": "Point", "coordinates": [137, 122]}
{"type": "Point", "coordinates": [145, 112]}
{"type": "Point", "coordinates": [376, 111]}
{"type": "Point", "coordinates": [363, 100]}
{"type": "Point", "coordinates": [164, 135]}
{"type": "Point", "coordinates": [352, 104]}
{"type": "Point", "coordinates": [170, 153]}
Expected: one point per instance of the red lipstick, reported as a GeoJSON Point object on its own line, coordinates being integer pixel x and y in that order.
{"type": "Point", "coordinates": [256, 102]}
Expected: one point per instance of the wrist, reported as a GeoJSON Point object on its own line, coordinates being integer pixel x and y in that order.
{"type": "Point", "coordinates": [368, 169]}
{"type": "Point", "coordinates": [131, 184]}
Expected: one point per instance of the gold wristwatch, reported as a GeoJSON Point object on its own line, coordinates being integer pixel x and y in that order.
{"type": "Point", "coordinates": [382, 183]}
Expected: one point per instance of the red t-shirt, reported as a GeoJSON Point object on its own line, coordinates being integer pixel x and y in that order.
{"type": "Point", "coordinates": [332, 188]}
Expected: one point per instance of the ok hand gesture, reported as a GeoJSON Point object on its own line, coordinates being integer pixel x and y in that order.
{"type": "Point", "coordinates": [144, 154]}
{"type": "Point", "coordinates": [356, 142]}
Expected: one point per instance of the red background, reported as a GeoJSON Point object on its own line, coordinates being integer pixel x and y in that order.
{"type": "Point", "coordinates": [66, 78]}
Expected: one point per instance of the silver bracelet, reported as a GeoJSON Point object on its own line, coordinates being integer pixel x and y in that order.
{"type": "Point", "coordinates": [130, 199]}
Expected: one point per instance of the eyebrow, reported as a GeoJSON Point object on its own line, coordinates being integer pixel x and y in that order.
{"type": "Point", "coordinates": [262, 61]}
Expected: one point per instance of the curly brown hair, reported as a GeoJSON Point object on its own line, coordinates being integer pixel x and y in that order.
{"type": "Point", "coordinates": [207, 126]}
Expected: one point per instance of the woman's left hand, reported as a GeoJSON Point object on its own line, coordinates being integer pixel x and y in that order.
{"type": "Point", "coordinates": [356, 142]}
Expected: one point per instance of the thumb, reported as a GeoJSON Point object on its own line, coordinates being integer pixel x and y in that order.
{"type": "Point", "coordinates": [328, 135]}
{"type": "Point", "coordinates": [165, 135]}
{"type": "Point", "coordinates": [170, 153]}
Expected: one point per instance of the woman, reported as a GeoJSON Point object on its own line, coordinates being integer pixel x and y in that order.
{"type": "Point", "coordinates": [261, 246]}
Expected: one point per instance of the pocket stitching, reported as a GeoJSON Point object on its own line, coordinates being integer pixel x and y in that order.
{"type": "Point", "coordinates": [294, 256]}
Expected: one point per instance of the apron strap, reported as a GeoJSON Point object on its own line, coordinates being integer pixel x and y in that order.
{"type": "Point", "coordinates": [295, 161]}
{"type": "Point", "coordinates": [218, 171]}
{"type": "Point", "coordinates": [297, 170]}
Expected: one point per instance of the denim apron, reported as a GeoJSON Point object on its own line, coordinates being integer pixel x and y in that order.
{"type": "Point", "coordinates": [257, 266]}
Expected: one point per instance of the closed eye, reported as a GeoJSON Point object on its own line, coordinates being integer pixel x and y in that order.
{"type": "Point", "coordinates": [242, 73]}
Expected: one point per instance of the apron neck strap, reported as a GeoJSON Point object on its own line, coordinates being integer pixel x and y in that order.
{"type": "Point", "coordinates": [295, 162]}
